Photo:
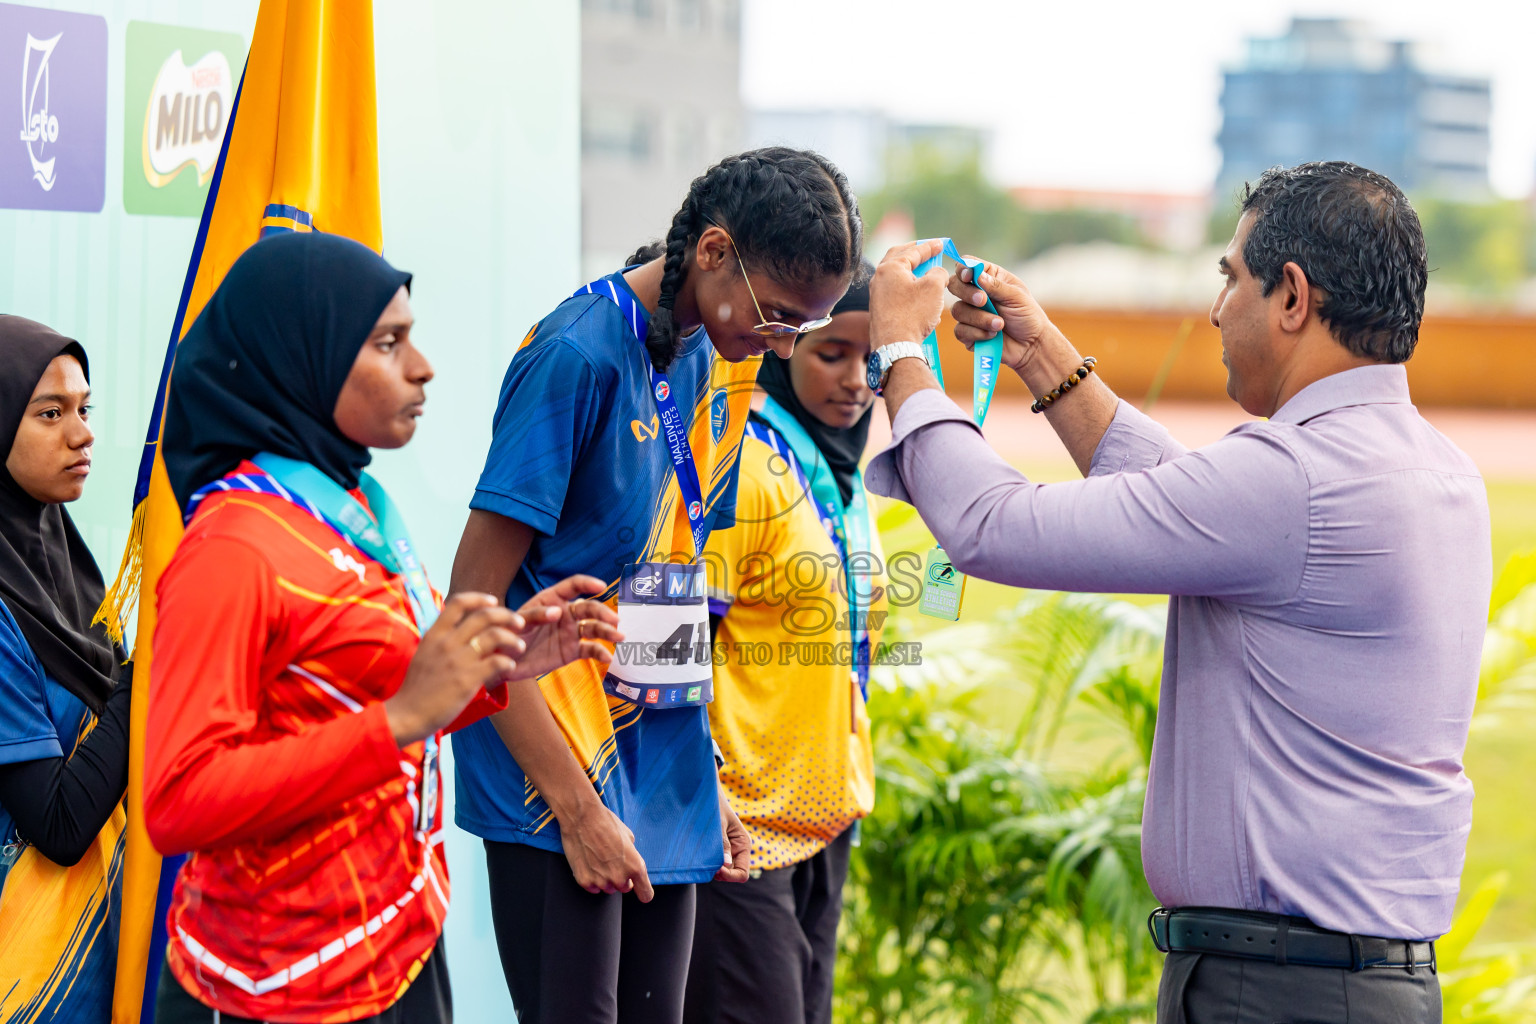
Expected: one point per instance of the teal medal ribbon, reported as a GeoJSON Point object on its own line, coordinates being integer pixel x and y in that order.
{"type": "Point", "coordinates": [988, 355]}
{"type": "Point", "coordinates": [943, 584]}
{"type": "Point", "coordinates": [850, 526]}
{"type": "Point", "coordinates": [381, 536]}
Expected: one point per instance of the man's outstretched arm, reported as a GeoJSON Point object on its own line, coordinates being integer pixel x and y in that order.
{"type": "Point", "coordinates": [1209, 523]}
{"type": "Point", "coordinates": [1033, 347]}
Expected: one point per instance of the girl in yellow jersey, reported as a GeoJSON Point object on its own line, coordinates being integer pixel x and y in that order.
{"type": "Point", "coordinates": [797, 595]}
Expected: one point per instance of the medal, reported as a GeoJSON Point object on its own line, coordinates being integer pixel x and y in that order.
{"type": "Point", "coordinates": [943, 587]}
{"type": "Point", "coordinates": [943, 584]}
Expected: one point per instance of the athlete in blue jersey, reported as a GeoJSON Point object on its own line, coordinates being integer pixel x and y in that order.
{"type": "Point", "coordinates": [614, 451]}
{"type": "Point", "coordinates": [64, 700]}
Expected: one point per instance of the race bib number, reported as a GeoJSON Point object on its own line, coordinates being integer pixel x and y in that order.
{"type": "Point", "coordinates": [665, 658]}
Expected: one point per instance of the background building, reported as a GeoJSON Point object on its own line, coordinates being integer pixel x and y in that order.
{"type": "Point", "coordinates": [660, 102]}
{"type": "Point", "coordinates": [1328, 90]}
{"type": "Point", "coordinates": [866, 145]}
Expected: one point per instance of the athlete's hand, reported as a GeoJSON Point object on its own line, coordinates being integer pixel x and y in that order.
{"type": "Point", "coordinates": [601, 851]}
{"type": "Point", "coordinates": [473, 644]}
{"type": "Point", "coordinates": [563, 626]}
{"type": "Point", "coordinates": [1018, 315]}
{"type": "Point", "coordinates": [738, 844]}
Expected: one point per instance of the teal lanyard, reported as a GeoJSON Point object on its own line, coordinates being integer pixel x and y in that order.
{"type": "Point", "coordinates": [384, 538]}
{"type": "Point", "coordinates": [849, 526]}
{"type": "Point", "coordinates": [988, 354]}
{"type": "Point", "coordinates": [381, 536]}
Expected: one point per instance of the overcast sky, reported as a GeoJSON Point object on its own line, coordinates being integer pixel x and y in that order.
{"type": "Point", "coordinates": [1114, 95]}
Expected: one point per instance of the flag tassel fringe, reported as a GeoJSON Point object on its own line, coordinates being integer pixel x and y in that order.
{"type": "Point", "coordinates": [123, 595]}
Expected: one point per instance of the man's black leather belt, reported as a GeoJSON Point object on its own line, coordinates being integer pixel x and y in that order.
{"type": "Point", "coordinates": [1279, 939]}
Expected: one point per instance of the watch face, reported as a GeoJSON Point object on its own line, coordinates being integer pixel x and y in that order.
{"type": "Point", "coordinates": [874, 374]}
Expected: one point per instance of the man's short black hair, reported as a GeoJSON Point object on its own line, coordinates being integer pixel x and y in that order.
{"type": "Point", "coordinates": [1352, 232]}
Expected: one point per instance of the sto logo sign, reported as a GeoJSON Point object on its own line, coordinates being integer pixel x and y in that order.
{"type": "Point", "coordinates": [54, 156]}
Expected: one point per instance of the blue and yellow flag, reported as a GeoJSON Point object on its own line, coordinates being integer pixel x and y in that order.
{"type": "Point", "coordinates": [300, 154]}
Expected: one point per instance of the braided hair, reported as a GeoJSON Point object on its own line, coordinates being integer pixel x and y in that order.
{"type": "Point", "coordinates": [654, 250]}
{"type": "Point", "coordinates": [789, 211]}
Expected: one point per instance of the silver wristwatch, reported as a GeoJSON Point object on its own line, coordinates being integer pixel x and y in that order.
{"type": "Point", "coordinates": [882, 358]}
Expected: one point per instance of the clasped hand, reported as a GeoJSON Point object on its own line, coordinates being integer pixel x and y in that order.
{"type": "Point", "coordinates": [905, 307]}
{"type": "Point", "coordinates": [476, 643]}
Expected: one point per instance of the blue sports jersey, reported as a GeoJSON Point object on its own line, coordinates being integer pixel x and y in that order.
{"type": "Point", "coordinates": [576, 453]}
{"type": "Point", "coordinates": [63, 921]}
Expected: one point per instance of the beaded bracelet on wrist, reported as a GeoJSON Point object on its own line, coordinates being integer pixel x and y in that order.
{"type": "Point", "coordinates": [1074, 378]}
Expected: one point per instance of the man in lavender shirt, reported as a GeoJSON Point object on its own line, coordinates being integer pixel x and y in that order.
{"type": "Point", "coordinates": [1306, 814]}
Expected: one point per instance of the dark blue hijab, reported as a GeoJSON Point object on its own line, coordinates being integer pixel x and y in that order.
{"type": "Point", "coordinates": [262, 367]}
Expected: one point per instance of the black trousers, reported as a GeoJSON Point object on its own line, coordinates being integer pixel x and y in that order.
{"type": "Point", "coordinates": [1202, 988]}
{"type": "Point", "coordinates": [427, 1001]}
{"type": "Point", "coordinates": [575, 957]}
{"type": "Point", "coordinates": [764, 951]}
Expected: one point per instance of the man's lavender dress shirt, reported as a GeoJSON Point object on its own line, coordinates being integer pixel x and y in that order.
{"type": "Point", "coordinates": [1330, 571]}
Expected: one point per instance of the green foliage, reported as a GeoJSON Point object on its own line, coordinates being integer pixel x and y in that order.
{"type": "Point", "coordinates": [1039, 230]}
{"type": "Point", "coordinates": [948, 194]}
{"type": "Point", "coordinates": [1487, 249]}
{"type": "Point", "coordinates": [996, 882]}
{"type": "Point", "coordinates": [999, 877]}
{"type": "Point", "coordinates": [1484, 247]}
{"type": "Point", "coordinates": [1507, 681]}
{"type": "Point", "coordinates": [1222, 223]}
{"type": "Point", "coordinates": [1496, 983]}
{"type": "Point", "coordinates": [1493, 984]}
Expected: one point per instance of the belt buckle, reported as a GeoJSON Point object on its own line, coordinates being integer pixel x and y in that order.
{"type": "Point", "coordinates": [1367, 952]}
{"type": "Point", "coordinates": [1160, 916]}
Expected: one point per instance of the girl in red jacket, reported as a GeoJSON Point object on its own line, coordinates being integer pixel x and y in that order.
{"type": "Point", "coordinates": [304, 671]}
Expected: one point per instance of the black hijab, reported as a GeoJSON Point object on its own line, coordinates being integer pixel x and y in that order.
{"type": "Point", "coordinates": [48, 578]}
{"type": "Point", "coordinates": [261, 369]}
{"type": "Point", "coordinates": [842, 448]}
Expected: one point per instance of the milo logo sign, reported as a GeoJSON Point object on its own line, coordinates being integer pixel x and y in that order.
{"type": "Point", "coordinates": [184, 125]}
{"type": "Point", "coordinates": [179, 97]}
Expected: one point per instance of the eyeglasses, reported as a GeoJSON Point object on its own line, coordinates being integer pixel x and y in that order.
{"type": "Point", "coordinates": [773, 328]}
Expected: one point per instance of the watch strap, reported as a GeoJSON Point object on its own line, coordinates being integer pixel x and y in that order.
{"type": "Point", "coordinates": [889, 354]}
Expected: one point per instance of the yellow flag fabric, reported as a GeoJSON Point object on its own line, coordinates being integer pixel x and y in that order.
{"type": "Point", "coordinates": [300, 154]}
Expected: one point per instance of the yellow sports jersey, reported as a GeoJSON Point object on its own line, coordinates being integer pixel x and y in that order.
{"type": "Point", "coordinates": [787, 713]}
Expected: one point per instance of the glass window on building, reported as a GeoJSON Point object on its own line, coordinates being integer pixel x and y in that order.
{"type": "Point", "coordinates": [640, 9]}
{"type": "Point", "coordinates": [688, 137]}
{"type": "Point", "coordinates": [688, 14]}
{"type": "Point", "coordinates": [615, 133]}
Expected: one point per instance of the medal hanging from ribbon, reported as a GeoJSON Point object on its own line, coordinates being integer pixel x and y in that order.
{"type": "Point", "coordinates": [381, 535]}
{"type": "Point", "coordinates": [667, 657]}
{"type": "Point", "coordinates": [943, 584]}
